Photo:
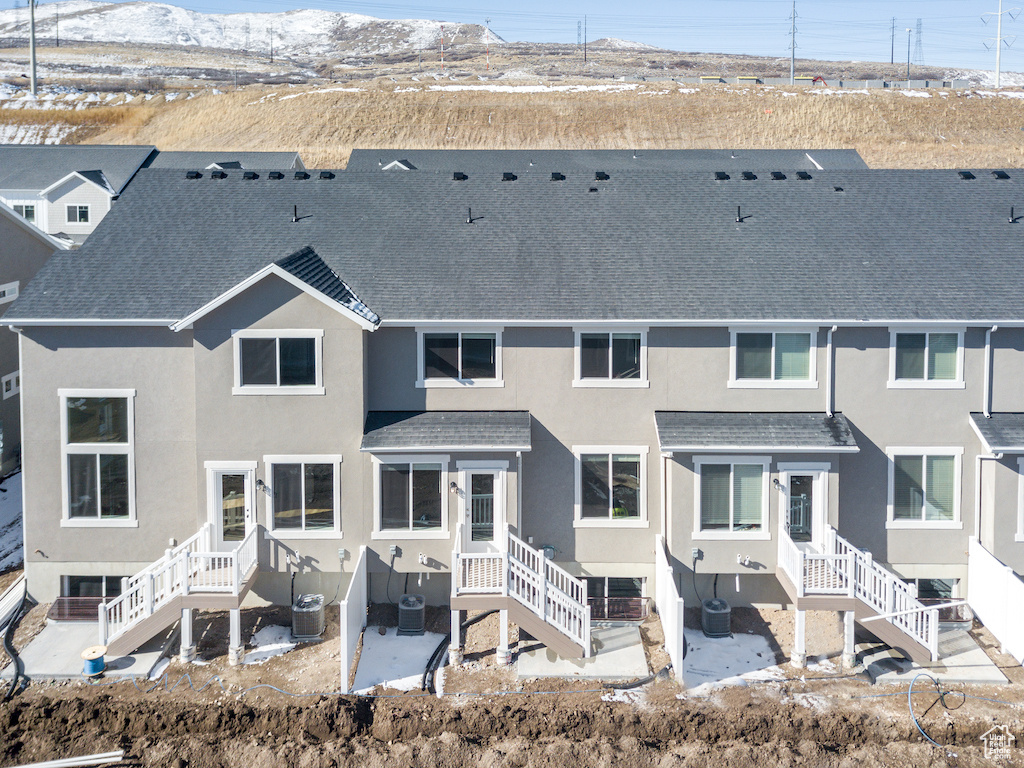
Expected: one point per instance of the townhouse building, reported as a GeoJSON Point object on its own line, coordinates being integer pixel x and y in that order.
{"type": "Point", "coordinates": [506, 386]}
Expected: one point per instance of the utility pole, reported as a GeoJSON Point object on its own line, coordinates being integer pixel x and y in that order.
{"type": "Point", "coordinates": [584, 39]}
{"type": "Point", "coordinates": [56, 25]}
{"type": "Point", "coordinates": [487, 22]}
{"type": "Point", "coordinates": [32, 43]}
{"type": "Point", "coordinates": [792, 47]}
{"type": "Point", "coordinates": [442, 47]}
{"type": "Point", "coordinates": [909, 30]}
{"type": "Point", "coordinates": [892, 42]}
{"type": "Point", "coordinates": [270, 29]}
{"type": "Point", "coordinates": [999, 40]}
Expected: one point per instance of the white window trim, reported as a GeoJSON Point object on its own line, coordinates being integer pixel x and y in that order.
{"type": "Point", "coordinates": [422, 382]}
{"type": "Point", "coordinates": [957, 383]}
{"type": "Point", "coordinates": [957, 452]}
{"type": "Point", "coordinates": [579, 381]}
{"type": "Point", "coordinates": [411, 458]}
{"type": "Point", "coordinates": [1019, 537]}
{"type": "Point", "coordinates": [317, 334]}
{"type": "Point", "coordinates": [578, 520]}
{"type": "Point", "coordinates": [765, 533]}
{"type": "Point", "coordinates": [15, 379]}
{"type": "Point", "coordinates": [268, 488]}
{"type": "Point", "coordinates": [88, 213]}
{"type": "Point", "coordinates": [92, 448]}
{"type": "Point", "coordinates": [772, 383]}
{"type": "Point", "coordinates": [9, 292]}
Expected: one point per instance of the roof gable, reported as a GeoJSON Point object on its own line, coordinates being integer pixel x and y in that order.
{"type": "Point", "coordinates": [32, 229]}
{"type": "Point", "coordinates": [96, 178]}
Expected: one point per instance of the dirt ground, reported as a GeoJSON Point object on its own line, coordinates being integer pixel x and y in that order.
{"type": "Point", "coordinates": [488, 718]}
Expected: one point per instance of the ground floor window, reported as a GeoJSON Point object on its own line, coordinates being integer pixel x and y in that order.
{"type": "Point", "coordinates": [305, 493]}
{"type": "Point", "coordinates": [411, 497]}
{"type": "Point", "coordinates": [616, 598]}
{"type": "Point", "coordinates": [731, 494]}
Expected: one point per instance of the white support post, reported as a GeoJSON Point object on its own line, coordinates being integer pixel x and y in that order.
{"type": "Point", "coordinates": [851, 578]}
{"type": "Point", "coordinates": [455, 644]}
{"type": "Point", "coordinates": [102, 617]}
{"type": "Point", "coordinates": [235, 650]}
{"type": "Point", "coordinates": [504, 652]}
{"type": "Point", "coordinates": [188, 647]}
{"type": "Point", "coordinates": [849, 650]}
{"type": "Point", "coordinates": [149, 594]}
{"type": "Point", "coordinates": [542, 608]}
{"type": "Point", "coordinates": [186, 576]}
{"type": "Point", "coordinates": [799, 656]}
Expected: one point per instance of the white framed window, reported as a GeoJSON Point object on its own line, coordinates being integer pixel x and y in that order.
{"type": "Point", "coordinates": [785, 358]}
{"type": "Point", "coordinates": [304, 496]}
{"type": "Point", "coordinates": [924, 487]}
{"type": "Point", "coordinates": [91, 586]}
{"type": "Point", "coordinates": [610, 358]}
{"type": "Point", "coordinates": [611, 486]}
{"type": "Point", "coordinates": [27, 212]}
{"type": "Point", "coordinates": [410, 497]}
{"type": "Point", "coordinates": [278, 362]}
{"type": "Point", "coordinates": [78, 214]}
{"type": "Point", "coordinates": [926, 359]}
{"type": "Point", "coordinates": [470, 357]}
{"type": "Point", "coordinates": [9, 292]}
{"type": "Point", "coordinates": [11, 384]}
{"type": "Point", "coordinates": [730, 499]}
{"type": "Point", "coordinates": [98, 457]}
{"type": "Point", "coordinates": [1020, 500]}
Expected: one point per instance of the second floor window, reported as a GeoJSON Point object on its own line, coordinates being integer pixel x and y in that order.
{"type": "Point", "coordinates": [773, 358]}
{"type": "Point", "coordinates": [28, 212]}
{"type": "Point", "coordinates": [78, 214]}
{"type": "Point", "coordinates": [278, 362]}
{"type": "Point", "coordinates": [459, 358]}
{"type": "Point", "coordinates": [611, 358]}
{"type": "Point", "coordinates": [926, 359]}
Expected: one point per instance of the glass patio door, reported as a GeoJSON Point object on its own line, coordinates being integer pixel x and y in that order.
{"type": "Point", "coordinates": [232, 511]}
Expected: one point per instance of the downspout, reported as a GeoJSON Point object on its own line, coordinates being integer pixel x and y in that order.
{"type": "Point", "coordinates": [664, 496]}
{"type": "Point", "coordinates": [987, 405]}
{"type": "Point", "coordinates": [519, 492]}
{"type": "Point", "coordinates": [978, 491]}
{"type": "Point", "coordinates": [829, 398]}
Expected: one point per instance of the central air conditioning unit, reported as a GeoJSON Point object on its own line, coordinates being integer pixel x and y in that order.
{"type": "Point", "coordinates": [308, 617]}
{"type": "Point", "coordinates": [412, 615]}
{"type": "Point", "coordinates": [716, 618]}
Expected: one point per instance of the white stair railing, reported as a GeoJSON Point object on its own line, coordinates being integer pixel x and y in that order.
{"type": "Point", "coordinates": [843, 569]}
{"type": "Point", "coordinates": [181, 571]}
{"type": "Point", "coordinates": [531, 579]}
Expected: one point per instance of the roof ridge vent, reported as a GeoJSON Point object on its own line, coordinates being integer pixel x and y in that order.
{"type": "Point", "coordinates": [459, 176]}
{"type": "Point", "coordinates": [601, 176]}
{"type": "Point", "coordinates": [556, 176]}
{"type": "Point", "coordinates": [508, 176]}
{"type": "Point", "coordinates": [721, 176]}
{"type": "Point", "coordinates": [748, 176]}
{"type": "Point", "coordinates": [218, 174]}
{"type": "Point", "coordinates": [778, 176]}
{"type": "Point", "coordinates": [275, 175]}
{"type": "Point", "coordinates": [965, 175]}
{"type": "Point", "coordinates": [326, 175]}
{"type": "Point", "coordinates": [193, 175]}
{"type": "Point", "coordinates": [250, 175]}
{"type": "Point", "coordinates": [300, 175]}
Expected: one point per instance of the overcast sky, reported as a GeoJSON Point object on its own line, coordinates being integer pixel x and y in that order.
{"type": "Point", "coordinates": [953, 34]}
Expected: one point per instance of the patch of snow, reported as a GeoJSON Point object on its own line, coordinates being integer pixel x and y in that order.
{"type": "Point", "coordinates": [12, 553]}
{"type": "Point", "coordinates": [393, 661]}
{"type": "Point", "coordinates": [634, 696]}
{"type": "Point", "coordinates": [270, 642]}
{"type": "Point", "coordinates": [834, 91]}
{"type": "Point", "coordinates": [159, 669]}
{"type": "Point", "coordinates": [810, 701]}
{"type": "Point", "coordinates": [822, 664]}
{"type": "Point", "coordinates": [619, 44]}
{"type": "Point", "coordinates": [536, 88]}
{"type": "Point", "coordinates": [713, 663]}
{"type": "Point", "coordinates": [918, 94]}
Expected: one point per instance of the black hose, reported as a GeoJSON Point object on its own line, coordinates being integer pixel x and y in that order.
{"type": "Point", "coordinates": [662, 674]}
{"type": "Point", "coordinates": [435, 659]}
{"type": "Point", "coordinates": [8, 640]}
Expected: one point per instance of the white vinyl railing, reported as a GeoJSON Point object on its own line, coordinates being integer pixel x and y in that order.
{"type": "Point", "coordinates": [181, 571]}
{"type": "Point", "coordinates": [527, 576]}
{"type": "Point", "coordinates": [670, 606]}
{"type": "Point", "coordinates": [842, 569]}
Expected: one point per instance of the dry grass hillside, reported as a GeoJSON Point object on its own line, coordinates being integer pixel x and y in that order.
{"type": "Point", "coordinates": [889, 128]}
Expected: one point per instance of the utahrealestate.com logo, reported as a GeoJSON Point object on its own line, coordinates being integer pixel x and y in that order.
{"type": "Point", "coordinates": [998, 743]}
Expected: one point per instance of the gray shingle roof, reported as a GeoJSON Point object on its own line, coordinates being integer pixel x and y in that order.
{"type": "Point", "coordinates": [446, 431]}
{"type": "Point", "coordinates": [37, 166]}
{"type": "Point", "coordinates": [686, 431]}
{"type": "Point", "coordinates": [194, 161]}
{"type": "Point", "coordinates": [1002, 433]}
{"type": "Point", "coordinates": [544, 161]}
{"type": "Point", "coordinates": [307, 266]}
{"type": "Point", "coordinates": [917, 245]}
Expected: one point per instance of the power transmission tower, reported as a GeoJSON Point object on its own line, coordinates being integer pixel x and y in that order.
{"type": "Point", "coordinates": [579, 35]}
{"type": "Point", "coordinates": [1013, 13]}
{"type": "Point", "coordinates": [246, 36]}
{"type": "Point", "coordinates": [32, 43]}
{"type": "Point", "coordinates": [918, 50]}
{"type": "Point", "coordinates": [487, 22]}
{"type": "Point", "coordinates": [792, 46]}
{"type": "Point", "coordinates": [892, 42]}
{"type": "Point", "coordinates": [584, 39]}
{"type": "Point", "coordinates": [270, 30]}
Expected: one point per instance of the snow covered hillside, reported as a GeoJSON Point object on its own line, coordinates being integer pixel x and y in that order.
{"type": "Point", "coordinates": [309, 32]}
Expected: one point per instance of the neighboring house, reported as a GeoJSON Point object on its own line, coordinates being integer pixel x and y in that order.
{"type": "Point", "coordinates": [545, 161]}
{"type": "Point", "coordinates": [23, 250]}
{"type": "Point", "coordinates": [507, 390]}
{"type": "Point", "coordinates": [66, 190]}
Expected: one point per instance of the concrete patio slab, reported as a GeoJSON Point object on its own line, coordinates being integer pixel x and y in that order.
{"type": "Point", "coordinates": [56, 653]}
{"type": "Point", "coordinates": [961, 661]}
{"type": "Point", "coordinates": [618, 655]}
